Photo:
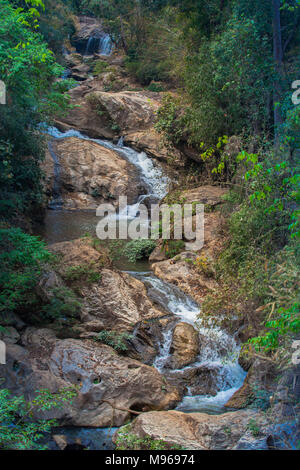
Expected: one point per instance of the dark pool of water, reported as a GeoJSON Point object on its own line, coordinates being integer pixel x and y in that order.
{"type": "Point", "coordinates": [61, 226]}
{"type": "Point", "coordinates": [89, 438]}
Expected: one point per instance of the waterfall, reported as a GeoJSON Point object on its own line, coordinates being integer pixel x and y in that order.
{"type": "Point", "coordinates": [156, 184]}
{"type": "Point", "coordinates": [88, 46]}
{"type": "Point", "coordinates": [220, 352]}
{"type": "Point", "coordinates": [105, 45]}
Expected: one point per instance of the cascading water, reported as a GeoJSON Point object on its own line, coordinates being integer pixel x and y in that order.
{"type": "Point", "coordinates": [156, 184]}
{"type": "Point", "coordinates": [220, 351]}
{"type": "Point", "coordinates": [89, 48]}
{"type": "Point", "coordinates": [102, 45]}
{"type": "Point", "coordinates": [105, 45]}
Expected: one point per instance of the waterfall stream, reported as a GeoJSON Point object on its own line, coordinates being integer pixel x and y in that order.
{"type": "Point", "coordinates": [155, 182]}
{"type": "Point", "coordinates": [102, 45]}
{"type": "Point", "coordinates": [219, 351]}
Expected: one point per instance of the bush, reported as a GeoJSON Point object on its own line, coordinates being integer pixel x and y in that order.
{"type": "Point", "coordinates": [114, 339]}
{"type": "Point", "coordinates": [63, 305]}
{"type": "Point", "coordinates": [84, 272]}
{"type": "Point", "coordinates": [138, 249]}
{"type": "Point", "coordinates": [18, 429]}
{"type": "Point", "coordinates": [21, 258]}
{"type": "Point", "coordinates": [173, 247]}
{"type": "Point", "coordinates": [100, 67]}
{"type": "Point", "coordinates": [129, 441]}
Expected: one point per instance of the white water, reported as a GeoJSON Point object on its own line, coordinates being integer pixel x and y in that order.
{"type": "Point", "coordinates": [156, 184]}
{"type": "Point", "coordinates": [219, 350]}
{"type": "Point", "coordinates": [105, 45]}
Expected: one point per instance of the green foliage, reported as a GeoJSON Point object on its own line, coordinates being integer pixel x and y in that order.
{"type": "Point", "coordinates": [155, 87]}
{"type": "Point", "coordinates": [169, 120]}
{"type": "Point", "coordinates": [173, 247]}
{"type": "Point", "coordinates": [84, 272]}
{"type": "Point", "coordinates": [129, 441]}
{"type": "Point", "coordinates": [21, 258]}
{"type": "Point", "coordinates": [100, 66]}
{"type": "Point", "coordinates": [114, 339]}
{"type": "Point", "coordinates": [64, 305]}
{"type": "Point", "coordinates": [29, 71]}
{"type": "Point", "coordinates": [138, 249]}
{"type": "Point", "coordinates": [19, 430]}
{"type": "Point", "coordinates": [253, 427]}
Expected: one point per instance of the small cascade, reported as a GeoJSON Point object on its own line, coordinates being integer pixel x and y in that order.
{"type": "Point", "coordinates": [56, 202]}
{"type": "Point", "coordinates": [88, 48]}
{"type": "Point", "coordinates": [219, 350]}
{"type": "Point", "coordinates": [105, 45]}
{"type": "Point", "coordinates": [154, 181]}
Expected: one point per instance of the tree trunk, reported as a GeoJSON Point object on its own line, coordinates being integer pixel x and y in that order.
{"type": "Point", "coordinates": [278, 61]}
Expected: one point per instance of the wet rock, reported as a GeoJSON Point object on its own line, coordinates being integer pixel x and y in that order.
{"type": "Point", "coordinates": [257, 384]}
{"type": "Point", "coordinates": [80, 72]}
{"type": "Point", "coordinates": [109, 385]}
{"type": "Point", "coordinates": [86, 28]}
{"type": "Point", "coordinates": [117, 302]}
{"type": "Point", "coordinates": [181, 272]}
{"type": "Point", "coordinates": [9, 335]}
{"type": "Point", "coordinates": [61, 441]}
{"type": "Point", "coordinates": [194, 431]}
{"type": "Point", "coordinates": [89, 174]}
{"type": "Point", "coordinates": [151, 143]}
{"type": "Point", "coordinates": [201, 380]}
{"type": "Point", "coordinates": [185, 346]}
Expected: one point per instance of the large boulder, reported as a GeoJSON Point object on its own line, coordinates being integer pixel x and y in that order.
{"type": "Point", "coordinates": [89, 174]}
{"type": "Point", "coordinates": [184, 347]}
{"type": "Point", "coordinates": [130, 110]}
{"type": "Point", "coordinates": [151, 142]}
{"type": "Point", "coordinates": [106, 114]}
{"type": "Point", "coordinates": [118, 301]}
{"type": "Point", "coordinates": [181, 272]}
{"type": "Point", "coordinates": [115, 302]}
{"type": "Point", "coordinates": [194, 431]}
{"type": "Point", "coordinates": [109, 386]}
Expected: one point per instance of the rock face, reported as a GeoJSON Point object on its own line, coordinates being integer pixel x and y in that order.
{"type": "Point", "coordinates": [195, 431]}
{"type": "Point", "coordinates": [116, 302]}
{"type": "Point", "coordinates": [202, 380]}
{"type": "Point", "coordinates": [86, 28]}
{"type": "Point", "coordinates": [181, 272]}
{"type": "Point", "coordinates": [208, 195]}
{"type": "Point", "coordinates": [89, 174]}
{"type": "Point", "coordinates": [109, 385]}
{"type": "Point", "coordinates": [151, 142]}
{"type": "Point", "coordinates": [130, 110]}
{"type": "Point", "coordinates": [184, 347]}
{"type": "Point", "coordinates": [260, 376]}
